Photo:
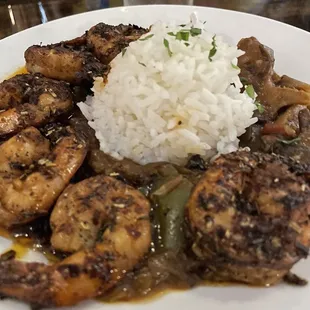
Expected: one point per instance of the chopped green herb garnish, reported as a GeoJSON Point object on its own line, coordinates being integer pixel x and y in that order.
{"type": "Point", "coordinates": [182, 35]}
{"type": "Point", "coordinates": [167, 46]}
{"type": "Point", "coordinates": [212, 53]}
{"type": "Point", "coordinates": [179, 36]}
{"type": "Point", "coordinates": [214, 48]}
{"type": "Point", "coordinates": [186, 44]}
{"type": "Point", "coordinates": [204, 22]}
{"type": "Point", "coordinates": [195, 31]}
{"type": "Point", "coordinates": [182, 25]}
{"type": "Point", "coordinates": [244, 81]}
{"type": "Point", "coordinates": [250, 91]}
{"type": "Point", "coordinates": [142, 64]}
{"type": "Point", "coordinates": [289, 142]}
{"type": "Point", "coordinates": [259, 106]}
{"type": "Point", "coordinates": [234, 66]}
{"type": "Point", "coordinates": [124, 52]}
{"type": "Point", "coordinates": [185, 36]}
{"type": "Point", "coordinates": [147, 37]}
{"type": "Point", "coordinates": [171, 34]}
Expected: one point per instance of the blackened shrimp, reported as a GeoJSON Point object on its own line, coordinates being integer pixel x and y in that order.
{"type": "Point", "coordinates": [31, 100]}
{"type": "Point", "coordinates": [107, 41]}
{"type": "Point", "coordinates": [32, 174]}
{"type": "Point", "coordinates": [67, 61]}
{"type": "Point", "coordinates": [108, 222]}
{"type": "Point", "coordinates": [249, 218]}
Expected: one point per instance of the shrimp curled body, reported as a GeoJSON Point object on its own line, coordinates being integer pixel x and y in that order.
{"type": "Point", "coordinates": [249, 218]}
{"type": "Point", "coordinates": [31, 100]}
{"type": "Point", "coordinates": [33, 175]}
{"type": "Point", "coordinates": [100, 209]}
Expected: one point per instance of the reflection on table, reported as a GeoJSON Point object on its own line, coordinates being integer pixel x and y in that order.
{"type": "Point", "coordinates": [17, 15]}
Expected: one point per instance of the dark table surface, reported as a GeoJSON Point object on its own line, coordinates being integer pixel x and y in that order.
{"type": "Point", "coordinates": [17, 15]}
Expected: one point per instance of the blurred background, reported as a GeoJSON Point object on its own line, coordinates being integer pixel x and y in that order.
{"type": "Point", "coordinates": [17, 15]}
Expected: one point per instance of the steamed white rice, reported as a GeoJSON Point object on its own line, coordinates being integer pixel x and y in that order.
{"type": "Point", "coordinates": [161, 107]}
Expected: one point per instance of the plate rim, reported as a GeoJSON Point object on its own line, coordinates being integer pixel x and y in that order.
{"type": "Point", "coordinates": [134, 7]}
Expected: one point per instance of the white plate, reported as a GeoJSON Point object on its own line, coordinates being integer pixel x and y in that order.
{"type": "Point", "coordinates": [292, 50]}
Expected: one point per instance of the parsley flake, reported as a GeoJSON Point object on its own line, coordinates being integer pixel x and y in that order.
{"type": "Point", "coordinates": [244, 81]}
{"type": "Point", "coordinates": [182, 35]}
{"type": "Point", "coordinates": [167, 46]}
{"type": "Point", "coordinates": [259, 106]}
{"type": "Point", "coordinates": [234, 66]}
{"type": "Point", "coordinates": [147, 37]}
{"type": "Point", "coordinates": [213, 49]}
{"type": "Point", "coordinates": [195, 31]}
{"type": "Point", "coordinates": [185, 36]}
{"type": "Point", "coordinates": [250, 91]}
{"type": "Point", "coordinates": [179, 36]}
{"type": "Point", "coordinates": [289, 142]}
{"type": "Point", "coordinates": [124, 52]}
{"type": "Point", "coordinates": [142, 64]}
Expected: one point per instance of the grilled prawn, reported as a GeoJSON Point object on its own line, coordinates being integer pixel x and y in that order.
{"type": "Point", "coordinates": [79, 60]}
{"type": "Point", "coordinates": [100, 209]}
{"type": "Point", "coordinates": [107, 41]}
{"type": "Point", "coordinates": [31, 100]}
{"type": "Point", "coordinates": [68, 61]}
{"type": "Point", "coordinates": [249, 218]}
{"type": "Point", "coordinates": [32, 174]}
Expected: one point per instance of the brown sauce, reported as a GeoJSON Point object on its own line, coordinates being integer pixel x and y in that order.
{"type": "Point", "coordinates": [135, 288]}
{"type": "Point", "coordinates": [138, 286]}
{"type": "Point", "coordinates": [146, 298]}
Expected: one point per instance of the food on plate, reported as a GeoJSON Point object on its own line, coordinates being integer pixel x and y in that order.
{"type": "Point", "coordinates": [136, 174]}
{"type": "Point", "coordinates": [296, 148]}
{"type": "Point", "coordinates": [67, 61]}
{"type": "Point", "coordinates": [249, 217]}
{"type": "Point", "coordinates": [188, 161]}
{"type": "Point", "coordinates": [274, 92]}
{"type": "Point", "coordinates": [107, 41]}
{"type": "Point", "coordinates": [100, 257]}
{"type": "Point", "coordinates": [284, 119]}
{"type": "Point", "coordinates": [167, 77]}
{"type": "Point", "coordinates": [80, 60]}
{"type": "Point", "coordinates": [34, 173]}
{"type": "Point", "coordinates": [31, 100]}
{"type": "Point", "coordinates": [83, 209]}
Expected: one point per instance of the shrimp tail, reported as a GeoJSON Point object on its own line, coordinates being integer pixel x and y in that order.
{"type": "Point", "coordinates": [84, 275]}
{"type": "Point", "coordinates": [52, 286]}
{"type": "Point", "coordinates": [96, 266]}
{"type": "Point", "coordinates": [28, 281]}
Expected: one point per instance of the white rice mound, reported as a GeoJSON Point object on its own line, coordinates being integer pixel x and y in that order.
{"type": "Point", "coordinates": [160, 107]}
